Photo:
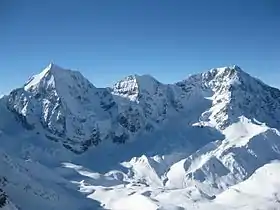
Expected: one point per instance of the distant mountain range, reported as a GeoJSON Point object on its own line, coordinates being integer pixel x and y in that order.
{"type": "Point", "coordinates": [206, 142]}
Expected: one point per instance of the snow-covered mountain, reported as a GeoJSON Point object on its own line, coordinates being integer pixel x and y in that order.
{"type": "Point", "coordinates": [141, 143]}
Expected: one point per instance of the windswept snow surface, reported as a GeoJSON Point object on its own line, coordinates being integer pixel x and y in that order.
{"type": "Point", "coordinates": [210, 141]}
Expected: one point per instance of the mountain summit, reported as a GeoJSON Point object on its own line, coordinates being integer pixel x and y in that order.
{"type": "Point", "coordinates": [48, 75]}
{"type": "Point", "coordinates": [138, 141]}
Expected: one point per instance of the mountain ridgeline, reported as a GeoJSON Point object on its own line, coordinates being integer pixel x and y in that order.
{"type": "Point", "coordinates": [65, 107]}
{"type": "Point", "coordinates": [210, 141]}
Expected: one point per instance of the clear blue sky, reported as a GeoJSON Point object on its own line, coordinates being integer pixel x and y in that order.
{"type": "Point", "coordinates": [109, 39]}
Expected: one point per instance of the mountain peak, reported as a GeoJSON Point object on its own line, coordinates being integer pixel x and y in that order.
{"type": "Point", "coordinates": [233, 67]}
{"type": "Point", "coordinates": [36, 79]}
{"type": "Point", "coordinates": [216, 78]}
{"type": "Point", "coordinates": [51, 76]}
{"type": "Point", "coordinates": [132, 85]}
{"type": "Point", "coordinates": [53, 67]}
{"type": "Point", "coordinates": [224, 76]}
{"type": "Point", "coordinates": [236, 67]}
{"type": "Point", "coordinates": [136, 78]}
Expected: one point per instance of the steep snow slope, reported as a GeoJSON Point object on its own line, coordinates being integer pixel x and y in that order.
{"type": "Point", "coordinates": [140, 143]}
{"type": "Point", "coordinates": [260, 191]}
{"type": "Point", "coordinates": [246, 147]}
{"type": "Point", "coordinates": [31, 185]}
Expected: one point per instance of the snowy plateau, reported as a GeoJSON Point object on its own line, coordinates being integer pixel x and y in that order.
{"type": "Point", "coordinates": [209, 142]}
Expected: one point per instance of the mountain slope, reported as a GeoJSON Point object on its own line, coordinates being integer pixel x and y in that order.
{"type": "Point", "coordinates": [165, 146]}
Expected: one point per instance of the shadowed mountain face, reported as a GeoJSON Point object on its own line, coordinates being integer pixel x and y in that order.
{"type": "Point", "coordinates": [70, 139]}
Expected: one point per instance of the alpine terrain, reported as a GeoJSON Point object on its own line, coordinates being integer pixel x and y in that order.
{"type": "Point", "coordinates": [210, 141]}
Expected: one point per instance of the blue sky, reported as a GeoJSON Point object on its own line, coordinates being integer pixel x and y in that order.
{"type": "Point", "coordinates": [109, 39]}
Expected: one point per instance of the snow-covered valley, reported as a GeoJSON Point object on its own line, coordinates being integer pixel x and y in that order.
{"type": "Point", "coordinates": [211, 141]}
